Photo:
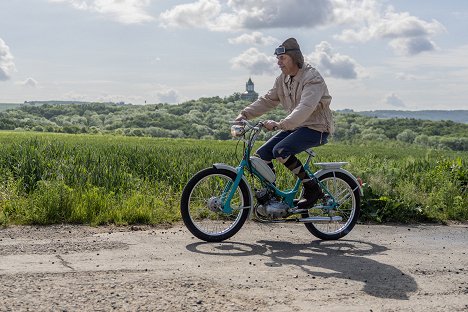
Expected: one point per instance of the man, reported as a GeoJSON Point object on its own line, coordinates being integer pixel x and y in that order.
{"type": "Point", "coordinates": [302, 92]}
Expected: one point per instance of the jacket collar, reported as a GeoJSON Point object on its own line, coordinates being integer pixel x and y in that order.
{"type": "Point", "coordinates": [288, 79]}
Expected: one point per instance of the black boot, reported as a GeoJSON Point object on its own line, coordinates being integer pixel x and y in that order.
{"type": "Point", "coordinates": [312, 193]}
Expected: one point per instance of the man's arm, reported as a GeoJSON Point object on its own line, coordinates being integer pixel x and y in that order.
{"type": "Point", "coordinates": [264, 104]}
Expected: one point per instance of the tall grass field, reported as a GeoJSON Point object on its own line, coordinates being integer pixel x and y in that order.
{"type": "Point", "coordinates": [106, 179]}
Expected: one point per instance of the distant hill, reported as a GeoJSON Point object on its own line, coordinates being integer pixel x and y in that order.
{"type": "Point", "coordinates": [5, 106]}
{"type": "Point", "coordinates": [435, 115]}
{"type": "Point", "coordinates": [460, 116]}
{"type": "Point", "coordinates": [38, 103]}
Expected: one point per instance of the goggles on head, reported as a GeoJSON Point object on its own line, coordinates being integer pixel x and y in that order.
{"type": "Point", "coordinates": [282, 50]}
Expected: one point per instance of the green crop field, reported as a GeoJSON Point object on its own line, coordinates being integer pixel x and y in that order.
{"type": "Point", "coordinates": [102, 179]}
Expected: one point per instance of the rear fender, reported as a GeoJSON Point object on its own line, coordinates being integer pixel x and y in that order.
{"type": "Point", "coordinates": [322, 172]}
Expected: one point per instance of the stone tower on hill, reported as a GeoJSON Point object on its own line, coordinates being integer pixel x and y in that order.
{"type": "Point", "coordinates": [249, 94]}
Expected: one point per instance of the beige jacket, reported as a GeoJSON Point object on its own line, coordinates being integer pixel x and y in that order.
{"type": "Point", "coordinates": [305, 97]}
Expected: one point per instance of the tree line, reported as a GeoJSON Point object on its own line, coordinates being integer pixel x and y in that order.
{"type": "Point", "coordinates": [207, 118]}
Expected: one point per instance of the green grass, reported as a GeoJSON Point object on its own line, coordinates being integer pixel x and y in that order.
{"type": "Point", "coordinates": [102, 179]}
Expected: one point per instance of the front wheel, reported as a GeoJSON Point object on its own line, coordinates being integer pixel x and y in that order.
{"type": "Point", "coordinates": [346, 193]}
{"type": "Point", "coordinates": [202, 202]}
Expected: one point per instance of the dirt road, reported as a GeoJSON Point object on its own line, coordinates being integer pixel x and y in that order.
{"type": "Point", "coordinates": [263, 268]}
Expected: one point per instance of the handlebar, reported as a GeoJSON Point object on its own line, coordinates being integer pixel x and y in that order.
{"type": "Point", "coordinates": [245, 122]}
{"type": "Point", "coordinates": [240, 127]}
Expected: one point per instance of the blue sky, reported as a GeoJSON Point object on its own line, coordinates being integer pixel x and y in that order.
{"type": "Point", "coordinates": [407, 55]}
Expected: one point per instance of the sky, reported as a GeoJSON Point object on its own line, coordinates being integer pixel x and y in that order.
{"type": "Point", "coordinates": [373, 55]}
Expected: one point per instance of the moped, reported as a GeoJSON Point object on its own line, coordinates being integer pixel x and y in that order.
{"type": "Point", "coordinates": [217, 201]}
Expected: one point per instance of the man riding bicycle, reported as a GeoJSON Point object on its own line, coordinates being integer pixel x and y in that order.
{"type": "Point", "coordinates": [302, 92]}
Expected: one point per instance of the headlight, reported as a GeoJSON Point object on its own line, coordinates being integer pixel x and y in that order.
{"type": "Point", "coordinates": [237, 130]}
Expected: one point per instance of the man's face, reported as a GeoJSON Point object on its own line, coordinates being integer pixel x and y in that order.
{"type": "Point", "coordinates": [286, 64]}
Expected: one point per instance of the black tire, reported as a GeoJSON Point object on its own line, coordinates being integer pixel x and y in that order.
{"type": "Point", "coordinates": [347, 192]}
{"type": "Point", "coordinates": [200, 208]}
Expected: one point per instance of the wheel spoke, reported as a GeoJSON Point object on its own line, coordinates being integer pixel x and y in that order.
{"type": "Point", "coordinates": [203, 207]}
{"type": "Point", "coordinates": [344, 192]}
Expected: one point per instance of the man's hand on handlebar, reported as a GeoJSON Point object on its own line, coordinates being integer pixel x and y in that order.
{"type": "Point", "coordinates": [271, 125]}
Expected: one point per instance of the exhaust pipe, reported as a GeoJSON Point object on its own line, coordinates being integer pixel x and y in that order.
{"type": "Point", "coordinates": [320, 219]}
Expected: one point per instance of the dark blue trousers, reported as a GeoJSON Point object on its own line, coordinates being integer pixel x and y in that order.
{"type": "Point", "coordinates": [287, 143]}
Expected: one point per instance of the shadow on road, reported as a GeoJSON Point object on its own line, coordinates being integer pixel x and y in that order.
{"type": "Point", "coordinates": [344, 259]}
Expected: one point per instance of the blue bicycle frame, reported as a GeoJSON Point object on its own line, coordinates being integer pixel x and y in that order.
{"type": "Point", "coordinates": [288, 196]}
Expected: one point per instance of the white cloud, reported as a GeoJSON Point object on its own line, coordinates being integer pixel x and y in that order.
{"type": "Point", "coordinates": [412, 46]}
{"type": "Point", "coordinates": [155, 60]}
{"type": "Point", "coordinates": [198, 14]}
{"type": "Point", "coordinates": [355, 12]}
{"type": "Point", "coordinates": [76, 96]}
{"type": "Point", "coordinates": [397, 25]}
{"type": "Point", "coordinates": [408, 34]}
{"type": "Point", "coordinates": [364, 20]}
{"type": "Point", "coordinates": [406, 76]}
{"type": "Point", "coordinates": [255, 38]}
{"type": "Point", "coordinates": [440, 65]}
{"type": "Point", "coordinates": [29, 82]}
{"type": "Point", "coordinates": [257, 14]}
{"type": "Point", "coordinates": [334, 64]}
{"type": "Point", "coordinates": [394, 100]}
{"type": "Point", "coordinates": [248, 14]}
{"type": "Point", "coordinates": [7, 65]}
{"type": "Point", "coordinates": [170, 96]}
{"type": "Point", "coordinates": [255, 62]}
{"type": "Point", "coordinates": [123, 11]}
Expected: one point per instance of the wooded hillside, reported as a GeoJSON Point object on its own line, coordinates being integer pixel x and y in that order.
{"type": "Point", "coordinates": [208, 118]}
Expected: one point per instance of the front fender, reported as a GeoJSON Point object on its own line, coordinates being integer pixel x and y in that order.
{"type": "Point", "coordinates": [322, 172]}
{"type": "Point", "coordinates": [232, 169]}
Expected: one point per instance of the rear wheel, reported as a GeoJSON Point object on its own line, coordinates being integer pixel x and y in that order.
{"type": "Point", "coordinates": [346, 192]}
{"type": "Point", "coordinates": [202, 202]}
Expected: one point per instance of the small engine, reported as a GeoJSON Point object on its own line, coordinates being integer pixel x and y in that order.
{"type": "Point", "coordinates": [268, 206]}
{"type": "Point", "coordinates": [263, 195]}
